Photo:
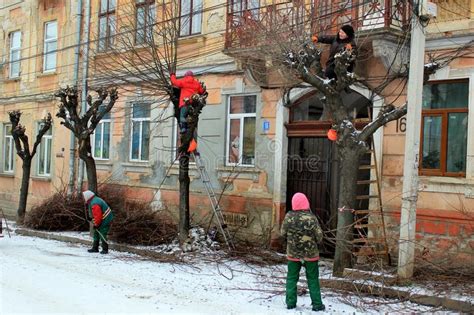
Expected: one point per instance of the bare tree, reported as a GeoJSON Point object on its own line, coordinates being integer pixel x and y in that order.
{"type": "Point", "coordinates": [83, 126]}
{"type": "Point", "coordinates": [142, 56]}
{"type": "Point", "coordinates": [23, 151]}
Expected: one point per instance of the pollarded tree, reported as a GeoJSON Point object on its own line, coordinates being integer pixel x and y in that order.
{"type": "Point", "coordinates": [84, 125]}
{"type": "Point", "coordinates": [22, 146]}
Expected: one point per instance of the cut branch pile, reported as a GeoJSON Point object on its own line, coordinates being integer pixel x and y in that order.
{"type": "Point", "coordinates": [135, 223]}
{"type": "Point", "coordinates": [138, 224]}
{"type": "Point", "coordinates": [58, 213]}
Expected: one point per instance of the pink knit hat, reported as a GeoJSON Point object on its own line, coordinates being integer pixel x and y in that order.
{"type": "Point", "coordinates": [299, 202]}
{"type": "Point", "coordinates": [189, 73]}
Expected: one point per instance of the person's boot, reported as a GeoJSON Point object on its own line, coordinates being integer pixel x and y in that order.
{"type": "Point", "coordinates": [318, 308]}
{"type": "Point", "coordinates": [105, 248]}
{"type": "Point", "coordinates": [95, 247]}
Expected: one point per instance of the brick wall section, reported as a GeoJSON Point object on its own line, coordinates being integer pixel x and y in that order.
{"type": "Point", "coordinates": [258, 212]}
{"type": "Point", "coordinates": [442, 237]}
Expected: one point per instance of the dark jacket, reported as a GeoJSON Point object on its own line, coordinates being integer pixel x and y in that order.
{"type": "Point", "coordinates": [188, 85]}
{"type": "Point", "coordinates": [337, 45]}
{"type": "Point", "coordinates": [303, 233]}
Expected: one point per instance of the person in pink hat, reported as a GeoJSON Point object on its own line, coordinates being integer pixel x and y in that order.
{"type": "Point", "coordinates": [303, 233]}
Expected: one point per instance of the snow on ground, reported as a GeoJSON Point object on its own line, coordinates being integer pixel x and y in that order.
{"type": "Point", "coordinates": [40, 276]}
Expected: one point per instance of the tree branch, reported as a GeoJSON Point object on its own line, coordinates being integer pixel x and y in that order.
{"type": "Point", "coordinates": [386, 115]}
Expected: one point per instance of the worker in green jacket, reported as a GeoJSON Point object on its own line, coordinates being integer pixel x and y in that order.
{"type": "Point", "coordinates": [303, 233]}
{"type": "Point", "coordinates": [101, 216]}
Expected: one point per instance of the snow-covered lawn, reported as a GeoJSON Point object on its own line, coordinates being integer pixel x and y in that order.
{"type": "Point", "coordinates": [43, 276]}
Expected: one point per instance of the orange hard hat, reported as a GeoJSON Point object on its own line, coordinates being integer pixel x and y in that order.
{"type": "Point", "coordinates": [332, 134]}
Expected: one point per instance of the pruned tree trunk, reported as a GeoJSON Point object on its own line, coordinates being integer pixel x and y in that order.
{"type": "Point", "coordinates": [86, 156]}
{"type": "Point", "coordinates": [25, 184]}
{"type": "Point", "coordinates": [349, 168]}
{"type": "Point", "coordinates": [183, 226]}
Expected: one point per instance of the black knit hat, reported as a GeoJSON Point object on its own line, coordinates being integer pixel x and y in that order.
{"type": "Point", "coordinates": [348, 30]}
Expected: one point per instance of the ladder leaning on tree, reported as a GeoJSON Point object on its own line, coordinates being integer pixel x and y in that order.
{"type": "Point", "coordinates": [367, 243]}
{"type": "Point", "coordinates": [214, 201]}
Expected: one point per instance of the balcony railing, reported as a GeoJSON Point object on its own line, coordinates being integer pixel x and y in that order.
{"type": "Point", "coordinates": [249, 25]}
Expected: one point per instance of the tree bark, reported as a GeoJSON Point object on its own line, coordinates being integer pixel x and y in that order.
{"type": "Point", "coordinates": [349, 168]}
{"type": "Point", "coordinates": [183, 227]}
{"type": "Point", "coordinates": [25, 184]}
{"type": "Point", "coordinates": [86, 156]}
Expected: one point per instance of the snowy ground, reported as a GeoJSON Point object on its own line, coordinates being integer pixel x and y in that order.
{"type": "Point", "coordinates": [43, 276]}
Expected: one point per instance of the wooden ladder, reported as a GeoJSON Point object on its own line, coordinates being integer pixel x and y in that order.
{"type": "Point", "coordinates": [372, 218]}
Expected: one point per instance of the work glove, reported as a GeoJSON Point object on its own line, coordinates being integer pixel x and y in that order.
{"type": "Point", "coordinates": [314, 39]}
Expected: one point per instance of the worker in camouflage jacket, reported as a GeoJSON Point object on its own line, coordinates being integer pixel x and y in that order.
{"type": "Point", "coordinates": [101, 216]}
{"type": "Point", "coordinates": [303, 233]}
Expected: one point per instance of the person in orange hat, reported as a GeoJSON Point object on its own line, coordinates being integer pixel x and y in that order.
{"type": "Point", "coordinates": [303, 233]}
{"type": "Point", "coordinates": [342, 41]}
{"type": "Point", "coordinates": [188, 87]}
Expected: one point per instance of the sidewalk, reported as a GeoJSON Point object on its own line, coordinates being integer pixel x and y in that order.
{"type": "Point", "coordinates": [356, 281]}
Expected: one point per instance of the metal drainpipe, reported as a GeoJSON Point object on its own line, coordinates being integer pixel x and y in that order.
{"type": "Point", "coordinates": [85, 73]}
{"type": "Point", "coordinates": [75, 78]}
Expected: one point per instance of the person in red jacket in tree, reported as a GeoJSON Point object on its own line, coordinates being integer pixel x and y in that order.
{"type": "Point", "coordinates": [188, 87]}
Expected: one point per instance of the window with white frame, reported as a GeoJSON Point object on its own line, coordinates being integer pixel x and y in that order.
{"type": "Point", "coordinates": [241, 130]}
{"type": "Point", "coordinates": [140, 137]}
{"type": "Point", "coordinates": [8, 149]}
{"type": "Point", "coordinates": [146, 15]}
{"type": "Point", "coordinates": [15, 54]}
{"type": "Point", "coordinates": [101, 138]}
{"type": "Point", "coordinates": [245, 8]}
{"type": "Point", "coordinates": [191, 17]}
{"type": "Point", "coordinates": [44, 152]}
{"type": "Point", "coordinates": [50, 46]}
{"type": "Point", "coordinates": [106, 24]}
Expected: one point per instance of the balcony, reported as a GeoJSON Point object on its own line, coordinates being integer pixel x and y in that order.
{"type": "Point", "coordinates": [250, 25]}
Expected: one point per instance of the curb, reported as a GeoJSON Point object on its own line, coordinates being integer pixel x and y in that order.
{"type": "Point", "coordinates": [117, 247]}
{"type": "Point", "coordinates": [388, 292]}
{"type": "Point", "coordinates": [350, 284]}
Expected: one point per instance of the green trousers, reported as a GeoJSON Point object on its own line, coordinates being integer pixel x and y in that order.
{"type": "Point", "coordinates": [312, 275]}
{"type": "Point", "coordinates": [104, 230]}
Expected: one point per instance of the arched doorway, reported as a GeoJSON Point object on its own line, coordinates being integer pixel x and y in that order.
{"type": "Point", "coordinates": [312, 166]}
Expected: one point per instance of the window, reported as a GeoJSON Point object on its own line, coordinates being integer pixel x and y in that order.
{"type": "Point", "coordinates": [101, 139]}
{"type": "Point", "coordinates": [8, 149]}
{"type": "Point", "coordinates": [106, 24]}
{"type": "Point", "coordinates": [241, 130]}
{"type": "Point", "coordinates": [50, 46]}
{"type": "Point", "coordinates": [245, 7]}
{"type": "Point", "coordinates": [444, 128]}
{"type": "Point", "coordinates": [44, 152]}
{"type": "Point", "coordinates": [146, 15]}
{"type": "Point", "coordinates": [140, 143]}
{"type": "Point", "coordinates": [191, 17]}
{"type": "Point", "coordinates": [15, 54]}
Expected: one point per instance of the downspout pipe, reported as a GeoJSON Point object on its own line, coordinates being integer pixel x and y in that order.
{"type": "Point", "coordinates": [75, 78]}
{"type": "Point", "coordinates": [85, 74]}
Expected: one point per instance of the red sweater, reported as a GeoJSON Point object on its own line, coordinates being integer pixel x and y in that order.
{"type": "Point", "coordinates": [188, 85]}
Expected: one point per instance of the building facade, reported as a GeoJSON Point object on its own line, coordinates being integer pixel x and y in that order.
{"type": "Point", "coordinates": [255, 140]}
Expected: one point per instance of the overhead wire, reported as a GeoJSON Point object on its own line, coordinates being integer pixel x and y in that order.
{"type": "Point", "coordinates": [183, 60]}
